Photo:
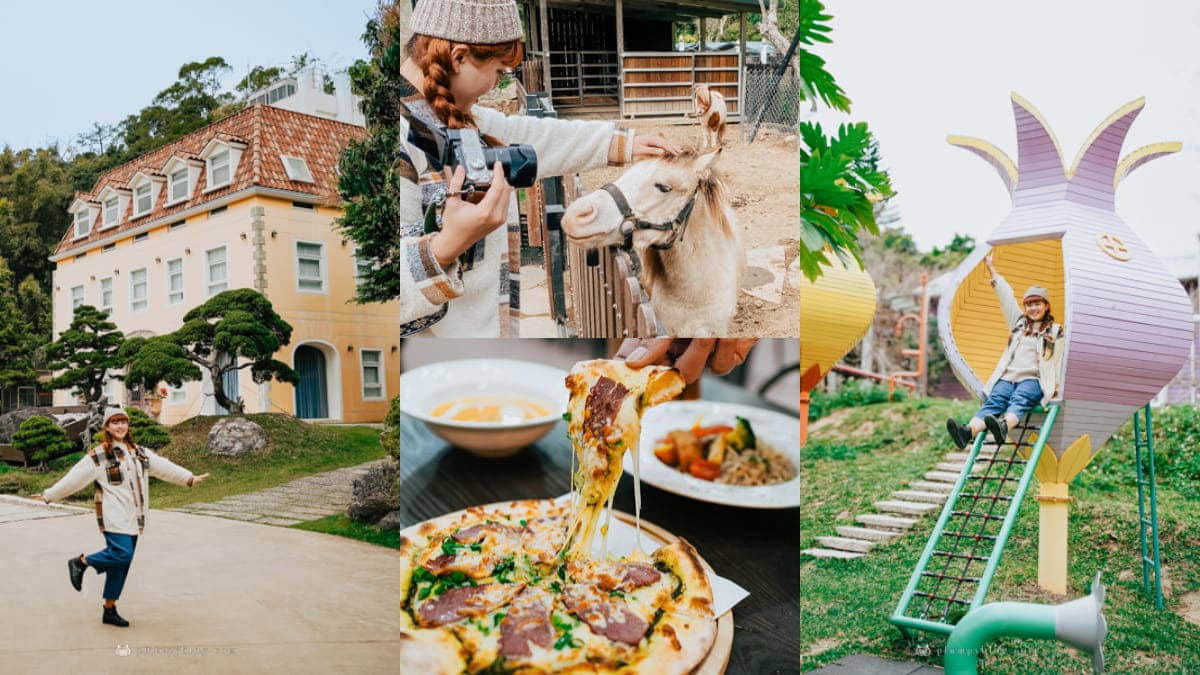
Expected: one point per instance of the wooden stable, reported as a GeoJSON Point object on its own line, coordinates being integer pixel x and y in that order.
{"type": "Point", "coordinates": [616, 56]}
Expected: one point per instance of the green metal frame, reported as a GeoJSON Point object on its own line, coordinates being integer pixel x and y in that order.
{"type": "Point", "coordinates": [906, 622]}
{"type": "Point", "coordinates": [1143, 439]}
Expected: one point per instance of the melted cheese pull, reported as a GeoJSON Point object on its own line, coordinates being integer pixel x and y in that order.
{"type": "Point", "coordinates": [606, 403]}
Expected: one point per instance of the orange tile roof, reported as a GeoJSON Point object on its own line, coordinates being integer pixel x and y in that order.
{"type": "Point", "coordinates": [268, 132]}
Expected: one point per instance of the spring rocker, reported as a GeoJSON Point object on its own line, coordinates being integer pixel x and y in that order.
{"type": "Point", "coordinates": [1128, 330]}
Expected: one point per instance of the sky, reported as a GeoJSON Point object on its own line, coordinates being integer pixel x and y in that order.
{"type": "Point", "coordinates": [918, 71]}
{"type": "Point", "coordinates": [67, 65]}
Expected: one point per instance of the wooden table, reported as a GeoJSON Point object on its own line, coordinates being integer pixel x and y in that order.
{"type": "Point", "coordinates": [757, 549]}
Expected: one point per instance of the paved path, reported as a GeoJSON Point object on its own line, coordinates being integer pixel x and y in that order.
{"type": "Point", "coordinates": [204, 595]}
{"type": "Point", "coordinates": [300, 500]}
{"type": "Point", "coordinates": [868, 664]}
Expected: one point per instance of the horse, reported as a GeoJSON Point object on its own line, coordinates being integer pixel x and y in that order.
{"type": "Point", "coordinates": [672, 215]}
{"type": "Point", "coordinates": [710, 107]}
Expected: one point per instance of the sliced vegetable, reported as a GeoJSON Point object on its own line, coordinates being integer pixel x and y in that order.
{"type": "Point", "coordinates": [716, 450]}
{"type": "Point", "coordinates": [667, 454]}
{"type": "Point", "coordinates": [715, 429]}
{"type": "Point", "coordinates": [705, 470]}
{"type": "Point", "coordinates": [688, 447]}
{"type": "Point", "coordinates": [742, 437]}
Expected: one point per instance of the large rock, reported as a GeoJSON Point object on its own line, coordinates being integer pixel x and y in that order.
{"type": "Point", "coordinates": [376, 493]}
{"type": "Point", "coordinates": [236, 436]}
{"type": "Point", "coordinates": [391, 521]}
{"type": "Point", "coordinates": [11, 421]}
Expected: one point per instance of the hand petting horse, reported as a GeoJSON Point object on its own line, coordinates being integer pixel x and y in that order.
{"type": "Point", "coordinates": [672, 215]}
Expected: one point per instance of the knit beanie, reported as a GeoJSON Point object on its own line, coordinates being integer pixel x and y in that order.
{"type": "Point", "coordinates": [110, 413]}
{"type": "Point", "coordinates": [473, 22]}
{"type": "Point", "coordinates": [1036, 292]}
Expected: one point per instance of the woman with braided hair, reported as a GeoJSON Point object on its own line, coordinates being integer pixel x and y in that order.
{"type": "Point", "coordinates": [461, 280]}
{"type": "Point", "coordinates": [1028, 373]}
{"type": "Point", "coordinates": [121, 471]}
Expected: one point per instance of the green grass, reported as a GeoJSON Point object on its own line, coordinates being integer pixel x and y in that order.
{"type": "Point", "coordinates": [297, 449]}
{"type": "Point", "coordinates": [344, 526]}
{"type": "Point", "coordinates": [860, 455]}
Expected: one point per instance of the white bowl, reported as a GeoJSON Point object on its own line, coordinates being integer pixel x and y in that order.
{"type": "Point", "coordinates": [423, 389]}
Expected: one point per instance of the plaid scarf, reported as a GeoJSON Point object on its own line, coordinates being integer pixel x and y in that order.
{"type": "Point", "coordinates": [434, 185]}
{"type": "Point", "coordinates": [112, 469]}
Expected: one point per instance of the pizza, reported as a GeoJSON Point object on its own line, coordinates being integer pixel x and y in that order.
{"type": "Point", "coordinates": [515, 587]}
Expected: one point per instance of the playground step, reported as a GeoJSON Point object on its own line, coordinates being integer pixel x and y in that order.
{"type": "Point", "coordinates": [829, 553]}
{"type": "Point", "coordinates": [950, 467]}
{"type": "Point", "coordinates": [930, 486]}
{"type": "Point", "coordinates": [920, 496]}
{"type": "Point", "coordinates": [962, 457]}
{"type": "Point", "coordinates": [941, 476]}
{"type": "Point", "coordinates": [905, 507]}
{"type": "Point", "coordinates": [868, 533]}
{"type": "Point", "coordinates": [847, 544]}
{"type": "Point", "coordinates": [880, 520]}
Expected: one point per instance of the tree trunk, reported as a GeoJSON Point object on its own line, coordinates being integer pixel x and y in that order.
{"type": "Point", "coordinates": [769, 27]}
{"type": "Point", "coordinates": [223, 400]}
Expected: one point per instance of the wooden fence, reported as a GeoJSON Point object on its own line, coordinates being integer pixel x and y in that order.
{"type": "Point", "coordinates": [661, 83]}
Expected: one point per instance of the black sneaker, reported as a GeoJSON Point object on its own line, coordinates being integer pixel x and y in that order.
{"type": "Point", "coordinates": [113, 619]}
{"type": "Point", "coordinates": [76, 567]}
{"type": "Point", "coordinates": [999, 429]}
{"type": "Point", "coordinates": [960, 435]}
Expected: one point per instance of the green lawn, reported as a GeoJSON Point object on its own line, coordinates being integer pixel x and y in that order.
{"type": "Point", "coordinates": [342, 525]}
{"type": "Point", "coordinates": [860, 455]}
{"type": "Point", "coordinates": [297, 449]}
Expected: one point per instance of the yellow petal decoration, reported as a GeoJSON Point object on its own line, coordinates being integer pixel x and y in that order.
{"type": "Point", "coordinates": [1051, 469]}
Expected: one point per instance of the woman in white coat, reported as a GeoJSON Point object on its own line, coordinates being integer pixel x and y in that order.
{"type": "Point", "coordinates": [120, 469]}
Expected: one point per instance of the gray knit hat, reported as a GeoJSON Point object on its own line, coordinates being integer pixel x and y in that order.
{"type": "Point", "coordinates": [110, 413]}
{"type": "Point", "coordinates": [1036, 292]}
{"type": "Point", "coordinates": [473, 22]}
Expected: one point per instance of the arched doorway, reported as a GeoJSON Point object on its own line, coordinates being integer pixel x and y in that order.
{"type": "Point", "coordinates": [312, 394]}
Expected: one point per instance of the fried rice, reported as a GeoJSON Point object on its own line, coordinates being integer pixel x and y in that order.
{"type": "Point", "coordinates": [762, 466]}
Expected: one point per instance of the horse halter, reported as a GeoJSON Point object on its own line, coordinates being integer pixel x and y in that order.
{"type": "Point", "coordinates": [630, 222]}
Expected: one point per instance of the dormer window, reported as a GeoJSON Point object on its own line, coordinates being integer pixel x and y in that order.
{"type": "Point", "coordinates": [143, 201]}
{"type": "Point", "coordinates": [113, 204]}
{"type": "Point", "coordinates": [218, 170]}
{"type": "Point", "coordinates": [221, 155]}
{"type": "Point", "coordinates": [83, 222]}
{"type": "Point", "coordinates": [83, 215]}
{"type": "Point", "coordinates": [145, 188]}
{"type": "Point", "coordinates": [297, 169]}
{"type": "Point", "coordinates": [182, 175]}
{"type": "Point", "coordinates": [112, 213]}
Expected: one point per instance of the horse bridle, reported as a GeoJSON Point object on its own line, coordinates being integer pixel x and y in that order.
{"type": "Point", "coordinates": [630, 222]}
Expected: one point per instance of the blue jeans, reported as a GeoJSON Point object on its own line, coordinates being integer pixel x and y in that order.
{"type": "Point", "coordinates": [1014, 398]}
{"type": "Point", "coordinates": [114, 561]}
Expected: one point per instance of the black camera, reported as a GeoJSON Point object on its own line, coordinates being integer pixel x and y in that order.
{"type": "Point", "coordinates": [448, 148]}
{"type": "Point", "coordinates": [466, 149]}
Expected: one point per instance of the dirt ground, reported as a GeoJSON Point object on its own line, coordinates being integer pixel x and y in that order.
{"type": "Point", "coordinates": [763, 182]}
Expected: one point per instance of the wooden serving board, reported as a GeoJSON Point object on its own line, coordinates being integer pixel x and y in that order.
{"type": "Point", "coordinates": [718, 655]}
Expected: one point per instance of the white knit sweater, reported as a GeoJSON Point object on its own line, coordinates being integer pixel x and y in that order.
{"type": "Point", "coordinates": [122, 503]}
{"type": "Point", "coordinates": [563, 147]}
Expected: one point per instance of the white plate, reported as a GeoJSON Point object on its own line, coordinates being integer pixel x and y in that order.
{"type": "Point", "coordinates": [424, 388]}
{"type": "Point", "coordinates": [781, 432]}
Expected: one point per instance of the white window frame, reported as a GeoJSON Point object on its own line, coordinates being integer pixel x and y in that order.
{"type": "Point", "coordinates": [174, 167]}
{"type": "Point", "coordinates": [109, 388]}
{"type": "Point", "coordinates": [114, 210]}
{"type": "Point", "coordinates": [176, 396]}
{"type": "Point", "coordinates": [208, 268]}
{"type": "Point", "coordinates": [86, 212]}
{"type": "Point", "coordinates": [138, 211]}
{"type": "Point", "coordinates": [215, 148]}
{"type": "Point", "coordinates": [171, 300]}
{"type": "Point", "coordinates": [362, 374]}
{"type": "Point", "coordinates": [358, 264]}
{"type": "Point", "coordinates": [322, 267]}
{"type": "Point", "coordinates": [171, 182]}
{"type": "Point", "coordinates": [133, 300]}
{"type": "Point", "coordinates": [111, 295]}
{"type": "Point", "coordinates": [81, 297]}
{"type": "Point", "coordinates": [301, 174]}
{"type": "Point", "coordinates": [212, 169]}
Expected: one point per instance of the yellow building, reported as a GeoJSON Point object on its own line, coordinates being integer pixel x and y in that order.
{"type": "Point", "coordinates": [246, 202]}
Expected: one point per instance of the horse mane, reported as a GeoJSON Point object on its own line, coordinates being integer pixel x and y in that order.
{"type": "Point", "coordinates": [712, 192]}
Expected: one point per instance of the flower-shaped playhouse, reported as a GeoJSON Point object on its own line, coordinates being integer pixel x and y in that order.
{"type": "Point", "coordinates": [1127, 325]}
